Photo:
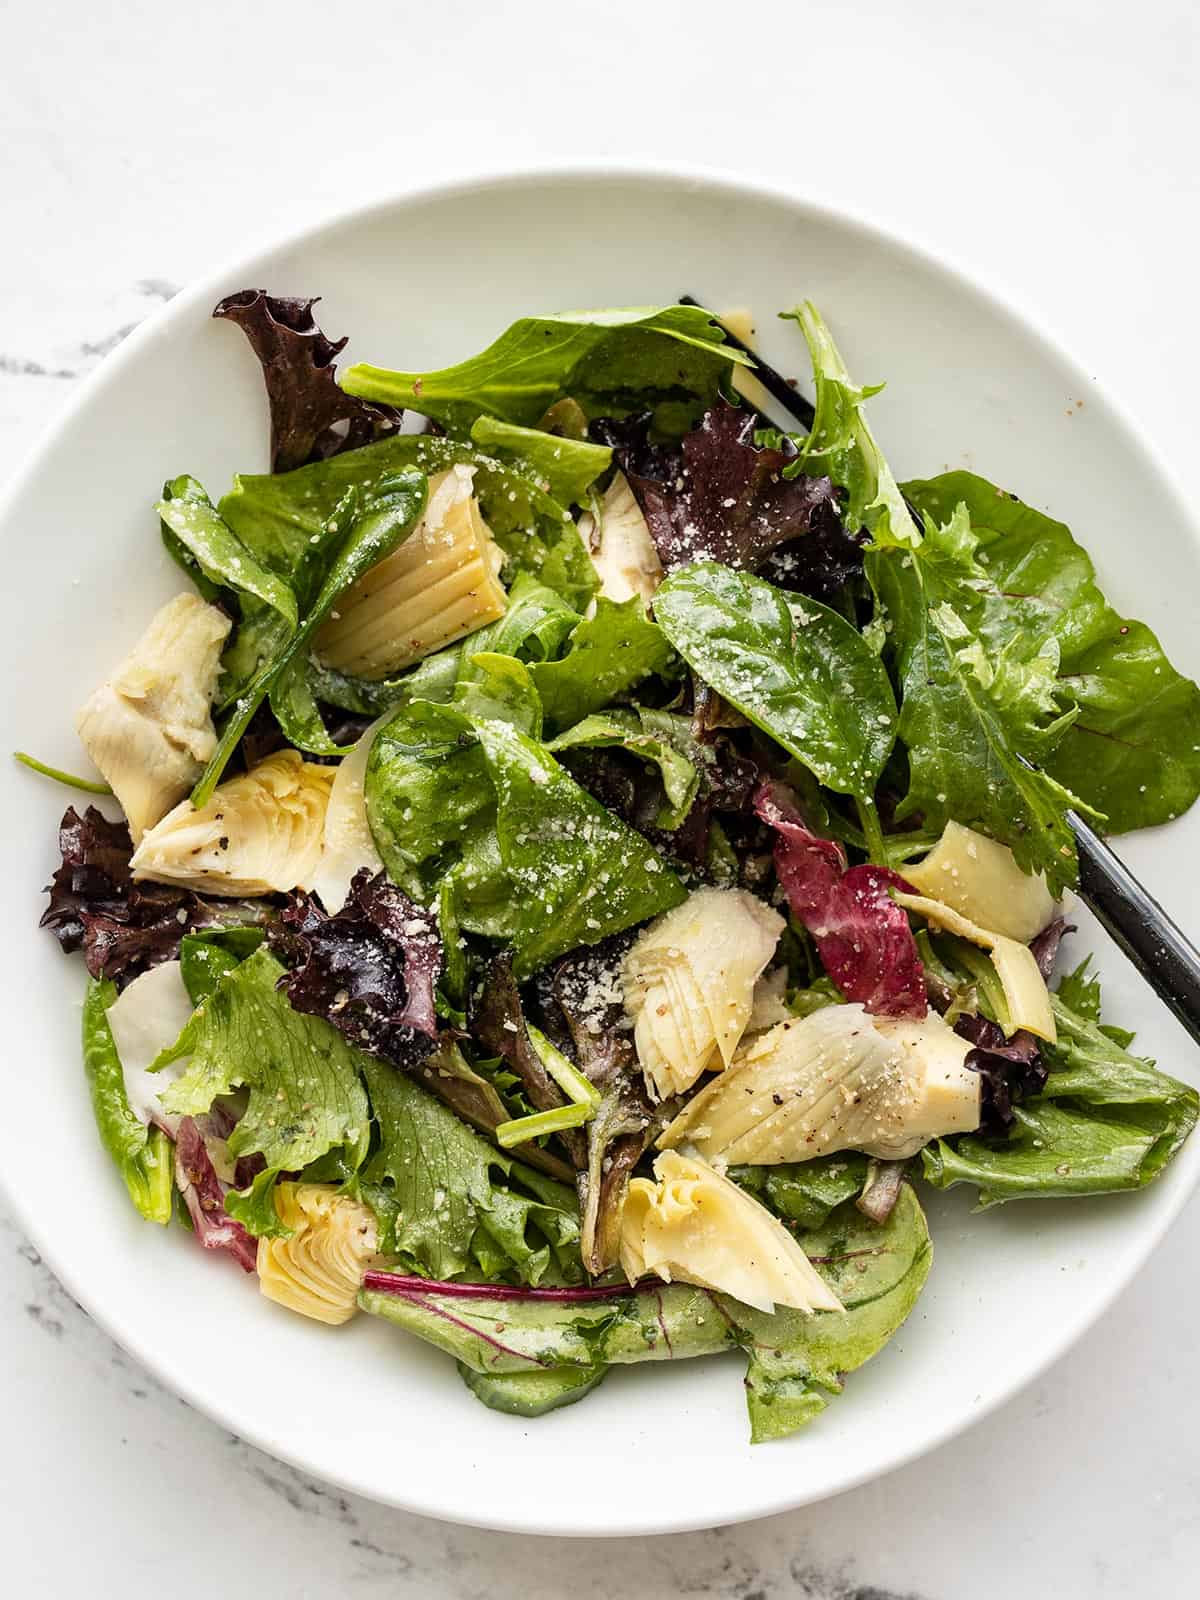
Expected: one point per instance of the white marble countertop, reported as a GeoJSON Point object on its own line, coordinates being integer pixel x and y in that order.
{"type": "Point", "coordinates": [1047, 147]}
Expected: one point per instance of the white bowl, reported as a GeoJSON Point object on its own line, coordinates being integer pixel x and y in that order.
{"type": "Point", "coordinates": [418, 282]}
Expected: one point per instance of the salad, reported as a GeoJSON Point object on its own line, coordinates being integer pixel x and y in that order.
{"type": "Point", "coordinates": [590, 858]}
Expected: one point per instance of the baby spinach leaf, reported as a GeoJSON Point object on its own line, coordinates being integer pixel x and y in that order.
{"type": "Point", "coordinates": [449, 1203]}
{"type": "Point", "coordinates": [1133, 752]}
{"type": "Point", "coordinates": [605, 360]}
{"type": "Point", "coordinates": [142, 1155]}
{"type": "Point", "coordinates": [215, 552]}
{"type": "Point", "coordinates": [565, 468]}
{"type": "Point", "coordinates": [795, 668]}
{"type": "Point", "coordinates": [306, 1097]}
{"type": "Point", "coordinates": [577, 873]}
{"type": "Point", "coordinates": [1106, 1120]}
{"type": "Point", "coordinates": [607, 654]}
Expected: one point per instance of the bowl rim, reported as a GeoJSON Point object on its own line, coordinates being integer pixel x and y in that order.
{"type": "Point", "coordinates": [478, 178]}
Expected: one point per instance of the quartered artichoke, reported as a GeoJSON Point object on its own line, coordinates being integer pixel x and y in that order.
{"type": "Point", "coordinates": [840, 1079]}
{"type": "Point", "coordinates": [440, 585]}
{"type": "Point", "coordinates": [149, 729]}
{"type": "Point", "coordinates": [692, 1225]}
{"type": "Point", "coordinates": [318, 1269]}
{"type": "Point", "coordinates": [689, 984]}
{"type": "Point", "coordinates": [346, 842]}
{"type": "Point", "coordinates": [260, 833]}
{"type": "Point", "coordinates": [981, 880]}
{"type": "Point", "coordinates": [622, 551]}
{"type": "Point", "coordinates": [147, 1016]}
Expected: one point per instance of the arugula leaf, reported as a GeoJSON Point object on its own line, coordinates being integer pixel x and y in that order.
{"type": "Point", "coordinates": [841, 445]}
{"type": "Point", "coordinates": [645, 735]}
{"type": "Point", "coordinates": [577, 873]}
{"type": "Point", "coordinates": [448, 1202]}
{"type": "Point", "coordinates": [796, 669]}
{"type": "Point", "coordinates": [607, 654]}
{"type": "Point", "coordinates": [967, 716]}
{"type": "Point", "coordinates": [142, 1155]}
{"type": "Point", "coordinates": [306, 1097]}
{"type": "Point", "coordinates": [1133, 752]}
{"type": "Point", "coordinates": [369, 535]}
{"type": "Point", "coordinates": [564, 468]}
{"type": "Point", "coordinates": [607, 361]}
{"type": "Point", "coordinates": [278, 515]}
{"type": "Point", "coordinates": [1106, 1120]}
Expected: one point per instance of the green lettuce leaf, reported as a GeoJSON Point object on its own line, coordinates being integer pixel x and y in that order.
{"type": "Point", "coordinates": [607, 654]}
{"type": "Point", "coordinates": [306, 1095]}
{"type": "Point", "coordinates": [796, 1362]}
{"type": "Point", "coordinates": [1133, 752]}
{"type": "Point", "coordinates": [564, 468]}
{"type": "Point", "coordinates": [205, 958]}
{"type": "Point", "coordinates": [449, 1203]}
{"type": "Point", "coordinates": [654, 738]}
{"type": "Point", "coordinates": [143, 1156]}
{"type": "Point", "coordinates": [1105, 1121]}
{"type": "Point", "coordinates": [796, 669]}
{"type": "Point", "coordinates": [577, 873]}
{"type": "Point", "coordinates": [609, 362]}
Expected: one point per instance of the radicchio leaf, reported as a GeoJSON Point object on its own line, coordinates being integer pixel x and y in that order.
{"type": "Point", "coordinates": [862, 936]}
{"type": "Point", "coordinates": [123, 927]}
{"type": "Point", "coordinates": [721, 497]}
{"type": "Point", "coordinates": [311, 417]}
{"type": "Point", "coordinates": [204, 1195]}
{"type": "Point", "coordinates": [370, 970]}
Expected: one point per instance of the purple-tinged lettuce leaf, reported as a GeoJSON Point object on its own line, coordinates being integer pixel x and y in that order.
{"type": "Point", "coordinates": [122, 927]}
{"type": "Point", "coordinates": [721, 497]}
{"type": "Point", "coordinates": [311, 417]}
{"type": "Point", "coordinates": [204, 1194]}
{"type": "Point", "coordinates": [370, 970]}
{"type": "Point", "coordinates": [1010, 1069]}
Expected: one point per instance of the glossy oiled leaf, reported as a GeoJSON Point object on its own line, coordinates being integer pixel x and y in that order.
{"type": "Point", "coordinates": [1133, 752]}
{"type": "Point", "coordinates": [798, 670]}
{"type": "Point", "coordinates": [576, 873]}
{"type": "Point", "coordinates": [607, 654]}
{"type": "Point", "coordinates": [604, 360]}
{"type": "Point", "coordinates": [564, 468]}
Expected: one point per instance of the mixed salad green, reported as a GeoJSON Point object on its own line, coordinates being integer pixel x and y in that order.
{"type": "Point", "coordinates": [589, 855]}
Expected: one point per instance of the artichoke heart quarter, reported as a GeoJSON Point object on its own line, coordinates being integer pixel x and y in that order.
{"type": "Point", "coordinates": [317, 1270]}
{"type": "Point", "coordinates": [149, 729]}
{"type": "Point", "coordinates": [440, 585]}
{"type": "Point", "coordinates": [689, 984]}
{"type": "Point", "coordinates": [623, 553]}
{"type": "Point", "coordinates": [260, 833]}
{"type": "Point", "coordinates": [692, 1225]}
{"type": "Point", "coordinates": [1016, 966]}
{"type": "Point", "coordinates": [840, 1079]}
{"type": "Point", "coordinates": [981, 880]}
